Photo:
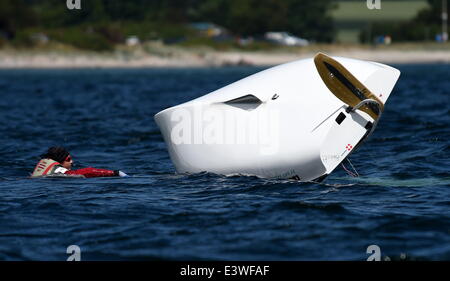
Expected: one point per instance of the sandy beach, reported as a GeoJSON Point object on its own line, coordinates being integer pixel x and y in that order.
{"type": "Point", "coordinates": [169, 56]}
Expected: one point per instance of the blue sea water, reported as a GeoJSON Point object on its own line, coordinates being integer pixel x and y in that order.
{"type": "Point", "coordinates": [400, 202]}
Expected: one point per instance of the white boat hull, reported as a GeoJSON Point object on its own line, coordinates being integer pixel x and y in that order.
{"type": "Point", "coordinates": [282, 125]}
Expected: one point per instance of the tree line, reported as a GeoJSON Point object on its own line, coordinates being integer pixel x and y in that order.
{"type": "Point", "coordinates": [423, 27]}
{"type": "Point", "coordinates": [304, 18]}
{"type": "Point", "coordinates": [102, 23]}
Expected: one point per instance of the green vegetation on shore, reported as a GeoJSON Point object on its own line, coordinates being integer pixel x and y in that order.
{"type": "Point", "coordinates": [425, 26]}
{"type": "Point", "coordinates": [352, 17]}
{"type": "Point", "coordinates": [104, 25]}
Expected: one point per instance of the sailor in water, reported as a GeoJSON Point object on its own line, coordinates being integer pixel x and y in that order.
{"type": "Point", "coordinates": [57, 161]}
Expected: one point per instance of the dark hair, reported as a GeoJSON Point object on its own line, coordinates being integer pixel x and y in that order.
{"type": "Point", "coordinates": [57, 153]}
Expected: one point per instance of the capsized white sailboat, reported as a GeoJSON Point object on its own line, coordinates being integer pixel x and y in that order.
{"type": "Point", "coordinates": [297, 120]}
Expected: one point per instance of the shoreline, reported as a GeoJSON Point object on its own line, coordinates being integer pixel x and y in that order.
{"type": "Point", "coordinates": [171, 57]}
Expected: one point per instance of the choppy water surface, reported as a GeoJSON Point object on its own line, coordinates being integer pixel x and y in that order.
{"type": "Point", "coordinates": [401, 201]}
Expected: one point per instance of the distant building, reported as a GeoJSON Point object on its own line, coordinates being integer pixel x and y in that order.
{"type": "Point", "coordinates": [209, 29]}
{"type": "Point", "coordinates": [133, 41]}
{"type": "Point", "coordinates": [245, 41]}
{"type": "Point", "coordinates": [285, 38]}
{"type": "Point", "coordinates": [383, 40]}
{"type": "Point", "coordinates": [39, 38]}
